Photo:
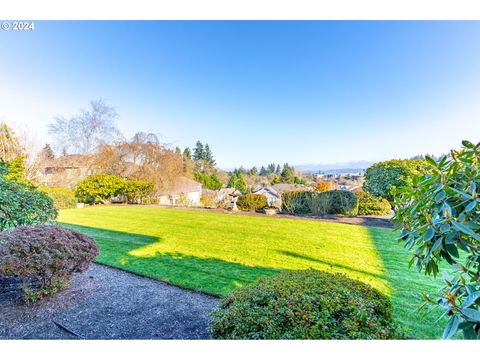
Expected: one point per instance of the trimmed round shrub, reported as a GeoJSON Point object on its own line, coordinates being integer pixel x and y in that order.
{"type": "Point", "coordinates": [46, 254]}
{"type": "Point", "coordinates": [372, 205]}
{"type": "Point", "coordinates": [62, 198]}
{"type": "Point", "coordinates": [23, 205]}
{"type": "Point", "coordinates": [252, 202]}
{"type": "Point", "coordinates": [97, 188]}
{"type": "Point", "coordinates": [307, 304]}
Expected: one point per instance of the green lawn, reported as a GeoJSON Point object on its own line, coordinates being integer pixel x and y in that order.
{"type": "Point", "coordinates": [215, 253]}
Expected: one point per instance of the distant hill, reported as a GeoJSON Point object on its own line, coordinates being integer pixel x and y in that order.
{"type": "Point", "coordinates": [340, 168]}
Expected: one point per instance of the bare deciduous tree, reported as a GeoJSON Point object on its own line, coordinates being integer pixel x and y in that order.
{"type": "Point", "coordinates": [141, 158]}
{"type": "Point", "coordinates": [84, 133]}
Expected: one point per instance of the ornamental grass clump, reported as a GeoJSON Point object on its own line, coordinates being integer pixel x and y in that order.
{"type": "Point", "coordinates": [44, 257]}
{"type": "Point", "coordinates": [307, 304]}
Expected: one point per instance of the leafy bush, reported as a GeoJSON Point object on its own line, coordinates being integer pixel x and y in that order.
{"type": "Point", "coordinates": [383, 178]}
{"type": "Point", "coordinates": [328, 202]}
{"type": "Point", "coordinates": [46, 253]}
{"type": "Point", "coordinates": [306, 304]}
{"type": "Point", "coordinates": [325, 186]}
{"type": "Point", "coordinates": [137, 191]}
{"type": "Point", "coordinates": [440, 217]}
{"type": "Point", "coordinates": [371, 205]}
{"type": "Point", "coordinates": [97, 188]}
{"type": "Point", "coordinates": [252, 202]}
{"type": "Point", "coordinates": [297, 202]}
{"type": "Point", "coordinates": [62, 198]}
{"type": "Point", "coordinates": [340, 202]}
{"type": "Point", "coordinates": [23, 205]}
{"type": "Point", "coordinates": [209, 181]}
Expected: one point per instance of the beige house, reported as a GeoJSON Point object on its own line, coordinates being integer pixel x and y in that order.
{"type": "Point", "coordinates": [184, 192]}
{"type": "Point", "coordinates": [66, 171]}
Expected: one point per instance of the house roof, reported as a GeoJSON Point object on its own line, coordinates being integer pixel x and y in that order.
{"type": "Point", "coordinates": [70, 161]}
{"type": "Point", "coordinates": [267, 189]}
{"type": "Point", "coordinates": [282, 187]}
{"type": "Point", "coordinates": [184, 185]}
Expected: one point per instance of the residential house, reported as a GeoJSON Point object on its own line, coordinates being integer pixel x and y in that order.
{"type": "Point", "coordinates": [184, 192]}
{"type": "Point", "coordinates": [274, 198]}
{"type": "Point", "coordinates": [66, 171]}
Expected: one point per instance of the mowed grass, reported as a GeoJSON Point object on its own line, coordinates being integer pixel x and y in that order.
{"type": "Point", "coordinates": [216, 253]}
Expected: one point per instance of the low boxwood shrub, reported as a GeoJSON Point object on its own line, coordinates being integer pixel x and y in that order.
{"type": "Point", "coordinates": [307, 304]}
{"type": "Point", "coordinates": [62, 198]}
{"type": "Point", "coordinates": [252, 202]}
{"type": "Point", "coordinates": [22, 204]}
{"type": "Point", "coordinates": [44, 257]}
{"type": "Point", "coordinates": [372, 205]}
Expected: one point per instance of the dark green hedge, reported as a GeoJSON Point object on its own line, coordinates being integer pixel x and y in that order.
{"type": "Point", "coordinates": [329, 202]}
{"type": "Point", "coordinates": [306, 304]}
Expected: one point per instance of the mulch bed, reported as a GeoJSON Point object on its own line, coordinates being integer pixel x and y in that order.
{"type": "Point", "coordinates": [106, 303]}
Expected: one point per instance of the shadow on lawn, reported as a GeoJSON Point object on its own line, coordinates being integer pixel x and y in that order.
{"type": "Point", "coordinates": [209, 275]}
{"type": "Point", "coordinates": [331, 264]}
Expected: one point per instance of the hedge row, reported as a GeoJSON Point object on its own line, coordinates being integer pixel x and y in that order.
{"type": "Point", "coordinates": [103, 187]}
{"type": "Point", "coordinates": [328, 202]}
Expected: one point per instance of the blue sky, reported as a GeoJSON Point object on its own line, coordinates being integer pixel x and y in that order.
{"type": "Point", "coordinates": [258, 92]}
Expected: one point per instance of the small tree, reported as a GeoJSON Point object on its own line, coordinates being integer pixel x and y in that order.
{"type": "Point", "coordinates": [324, 186]}
{"type": "Point", "coordinates": [439, 215]}
{"type": "Point", "coordinates": [383, 178]}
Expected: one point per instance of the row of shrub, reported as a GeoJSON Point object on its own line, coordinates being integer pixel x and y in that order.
{"type": "Point", "coordinates": [320, 203]}
{"type": "Point", "coordinates": [339, 202]}
{"type": "Point", "coordinates": [104, 187]}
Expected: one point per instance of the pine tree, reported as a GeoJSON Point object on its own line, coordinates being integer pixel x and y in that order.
{"type": "Point", "coordinates": [278, 170]}
{"type": "Point", "coordinates": [253, 171]}
{"type": "Point", "coordinates": [178, 152]}
{"type": "Point", "coordinates": [263, 171]}
{"type": "Point", "coordinates": [198, 152]}
{"type": "Point", "coordinates": [208, 156]}
{"type": "Point", "coordinates": [271, 168]}
{"type": "Point", "coordinates": [242, 184]}
{"type": "Point", "coordinates": [232, 182]}
{"type": "Point", "coordinates": [187, 154]}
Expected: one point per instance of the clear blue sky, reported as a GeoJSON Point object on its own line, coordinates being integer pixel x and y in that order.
{"type": "Point", "coordinates": [257, 92]}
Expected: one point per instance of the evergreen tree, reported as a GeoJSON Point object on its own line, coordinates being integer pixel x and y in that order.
{"type": "Point", "coordinates": [198, 152]}
{"type": "Point", "coordinates": [263, 171]}
{"type": "Point", "coordinates": [278, 170]}
{"type": "Point", "coordinates": [208, 155]}
{"type": "Point", "coordinates": [187, 154]}
{"type": "Point", "coordinates": [242, 184]}
{"type": "Point", "coordinates": [271, 168]}
{"type": "Point", "coordinates": [232, 182]}
{"type": "Point", "coordinates": [253, 171]}
{"type": "Point", "coordinates": [178, 152]}
{"type": "Point", "coordinates": [287, 174]}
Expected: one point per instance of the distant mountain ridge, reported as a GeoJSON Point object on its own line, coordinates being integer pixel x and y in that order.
{"type": "Point", "coordinates": [338, 168]}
